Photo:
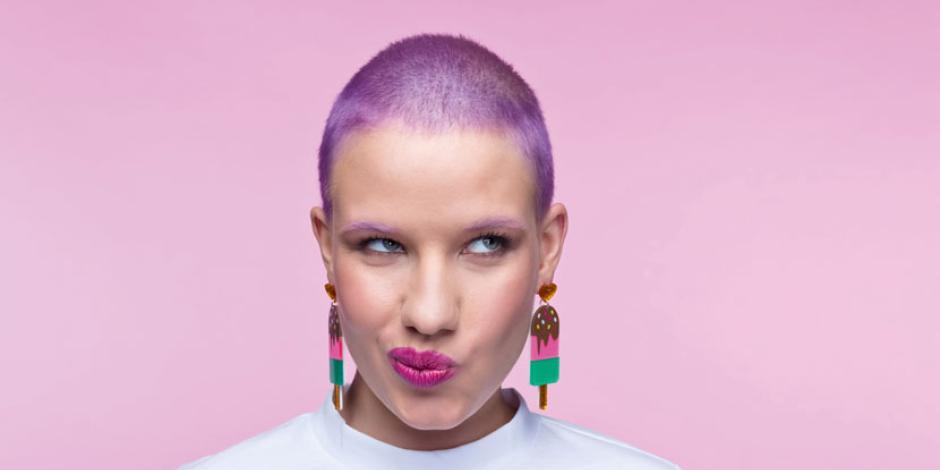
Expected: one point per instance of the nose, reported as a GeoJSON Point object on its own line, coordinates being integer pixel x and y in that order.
{"type": "Point", "coordinates": [431, 305]}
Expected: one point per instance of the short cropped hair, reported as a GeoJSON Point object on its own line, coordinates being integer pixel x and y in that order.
{"type": "Point", "coordinates": [434, 82]}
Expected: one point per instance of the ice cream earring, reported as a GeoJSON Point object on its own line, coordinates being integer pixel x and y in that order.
{"type": "Point", "coordinates": [543, 369]}
{"type": "Point", "coordinates": [336, 350]}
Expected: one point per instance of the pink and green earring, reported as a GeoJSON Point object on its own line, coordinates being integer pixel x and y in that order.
{"type": "Point", "coordinates": [543, 369]}
{"type": "Point", "coordinates": [336, 350]}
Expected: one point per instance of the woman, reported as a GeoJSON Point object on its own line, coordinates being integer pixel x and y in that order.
{"type": "Point", "coordinates": [436, 231]}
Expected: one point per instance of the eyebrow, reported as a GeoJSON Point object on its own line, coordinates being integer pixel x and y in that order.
{"type": "Point", "coordinates": [482, 224]}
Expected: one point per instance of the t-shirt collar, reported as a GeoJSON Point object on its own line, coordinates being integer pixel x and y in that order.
{"type": "Point", "coordinates": [353, 447]}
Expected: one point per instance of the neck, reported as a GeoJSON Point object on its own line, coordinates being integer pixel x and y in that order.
{"type": "Point", "coordinates": [364, 412]}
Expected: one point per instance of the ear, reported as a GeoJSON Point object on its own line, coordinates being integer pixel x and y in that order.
{"type": "Point", "coordinates": [552, 236]}
{"type": "Point", "coordinates": [321, 231]}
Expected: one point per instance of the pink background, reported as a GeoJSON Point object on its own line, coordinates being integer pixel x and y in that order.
{"type": "Point", "coordinates": [754, 193]}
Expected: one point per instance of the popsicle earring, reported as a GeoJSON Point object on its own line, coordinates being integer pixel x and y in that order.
{"type": "Point", "coordinates": [543, 369]}
{"type": "Point", "coordinates": [336, 349]}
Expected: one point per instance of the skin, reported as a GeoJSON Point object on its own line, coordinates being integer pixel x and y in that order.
{"type": "Point", "coordinates": [430, 284]}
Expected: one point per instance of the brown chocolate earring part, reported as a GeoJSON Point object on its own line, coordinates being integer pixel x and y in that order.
{"type": "Point", "coordinates": [544, 324]}
{"type": "Point", "coordinates": [336, 331]}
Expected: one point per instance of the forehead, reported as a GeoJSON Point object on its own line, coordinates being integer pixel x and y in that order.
{"type": "Point", "coordinates": [430, 181]}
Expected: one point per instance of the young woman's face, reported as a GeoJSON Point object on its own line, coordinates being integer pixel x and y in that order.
{"type": "Point", "coordinates": [434, 246]}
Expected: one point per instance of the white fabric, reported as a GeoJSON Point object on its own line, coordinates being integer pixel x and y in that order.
{"type": "Point", "coordinates": [323, 440]}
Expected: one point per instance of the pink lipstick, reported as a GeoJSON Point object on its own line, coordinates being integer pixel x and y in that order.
{"type": "Point", "coordinates": [422, 369]}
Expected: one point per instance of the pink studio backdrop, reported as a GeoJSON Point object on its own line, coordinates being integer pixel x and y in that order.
{"type": "Point", "coordinates": [750, 278]}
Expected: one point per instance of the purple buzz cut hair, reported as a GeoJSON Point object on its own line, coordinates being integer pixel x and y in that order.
{"type": "Point", "coordinates": [436, 82]}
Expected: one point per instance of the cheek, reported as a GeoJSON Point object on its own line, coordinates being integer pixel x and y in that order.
{"type": "Point", "coordinates": [367, 297]}
{"type": "Point", "coordinates": [502, 304]}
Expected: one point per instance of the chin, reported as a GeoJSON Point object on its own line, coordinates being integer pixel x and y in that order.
{"type": "Point", "coordinates": [429, 414]}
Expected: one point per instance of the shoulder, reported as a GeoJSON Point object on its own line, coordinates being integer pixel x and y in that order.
{"type": "Point", "coordinates": [290, 445]}
{"type": "Point", "coordinates": [590, 449]}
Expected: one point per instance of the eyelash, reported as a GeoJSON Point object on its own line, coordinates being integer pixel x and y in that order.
{"type": "Point", "coordinates": [502, 240]}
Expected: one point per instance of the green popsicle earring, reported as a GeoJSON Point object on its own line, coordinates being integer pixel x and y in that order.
{"type": "Point", "coordinates": [543, 368]}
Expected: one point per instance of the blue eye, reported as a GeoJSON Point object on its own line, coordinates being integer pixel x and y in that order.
{"type": "Point", "coordinates": [384, 243]}
{"type": "Point", "coordinates": [490, 242]}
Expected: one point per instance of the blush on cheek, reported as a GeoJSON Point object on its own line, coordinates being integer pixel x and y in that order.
{"type": "Point", "coordinates": [367, 297]}
{"type": "Point", "coordinates": [505, 306]}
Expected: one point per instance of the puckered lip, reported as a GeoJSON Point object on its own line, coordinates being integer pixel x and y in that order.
{"type": "Point", "coordinates": [421, 359]}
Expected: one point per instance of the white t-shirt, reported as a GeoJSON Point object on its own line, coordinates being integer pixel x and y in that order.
{"type": "Point", "coordinates": [323, 440]}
